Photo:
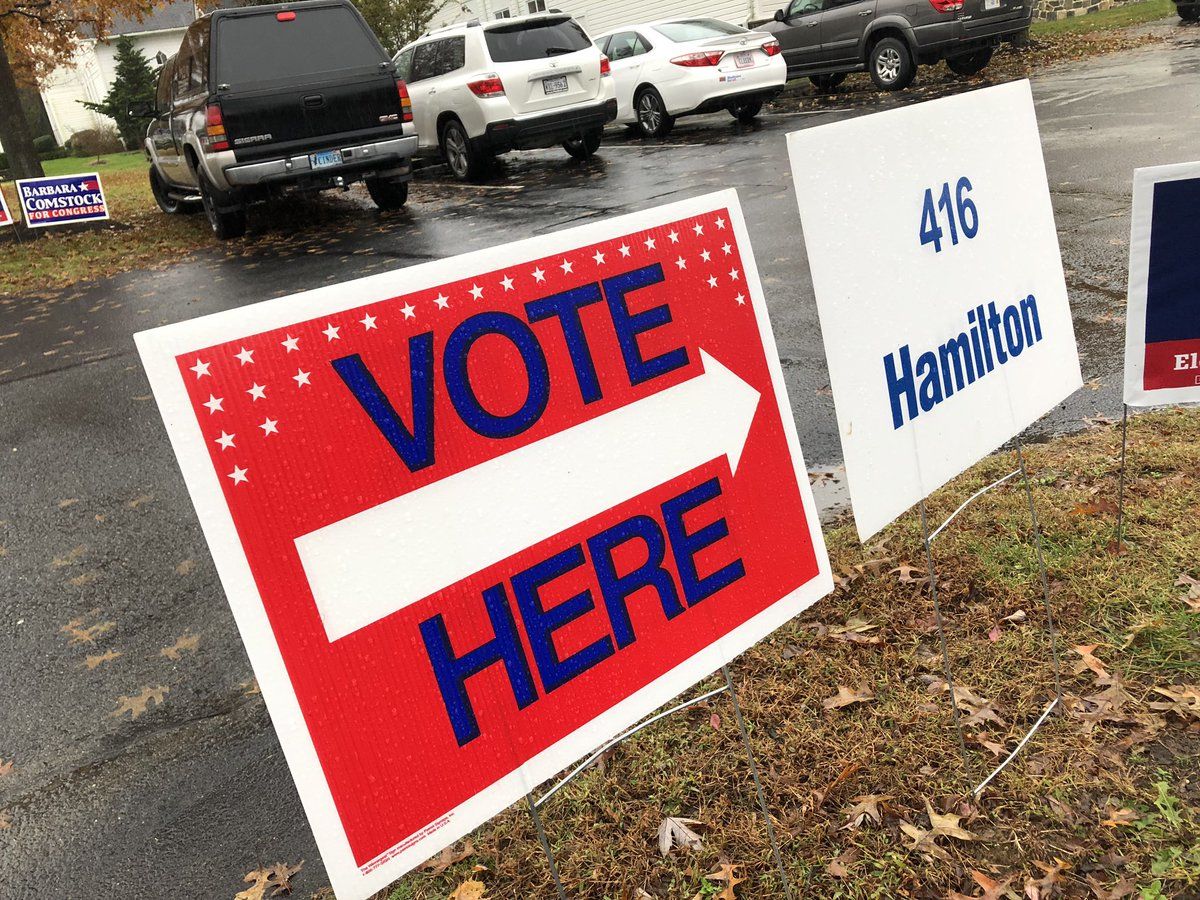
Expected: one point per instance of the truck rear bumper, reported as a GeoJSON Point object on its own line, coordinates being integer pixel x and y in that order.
{"type": "Point", "coordinates": [394, 153]}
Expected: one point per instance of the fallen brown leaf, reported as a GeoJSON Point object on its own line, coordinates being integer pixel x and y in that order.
{"type": "Point", "coordinates": [471, 889]}
{"type": "Point", "coordinates": [436, 865]}
{"type": "Point", "coordinates": [1088, 661]}
{"type": "Point", "coordinates": [137, 705]}
{"type": "Point", "coordinates": [277, 877]}
{"type": "Point", "coordinates": [847, 696]}
{"type": "Point", "coordinates": [97, 658]}
{"type": "Point", "coordinates": [675, 831]}
{"type": "Point", "coordinates": [727, 874]}
{"type": "Point", "coordinates": [188, 642]}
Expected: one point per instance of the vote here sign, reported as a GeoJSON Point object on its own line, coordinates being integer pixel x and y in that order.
{"type": "Point", "coordinates": [476, 516]}
{"type": "Point", "coordinates": [1162, 323]}
{"type": "Point", "coordinates": [939, 287]}
{"type": "Point", "coordinates": [60, 199]}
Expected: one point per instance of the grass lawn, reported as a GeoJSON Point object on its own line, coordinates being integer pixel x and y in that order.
{"type": "Point", "coordinates": [1116, 17]}
{"type": "Point", "coordinates": [871, 798]}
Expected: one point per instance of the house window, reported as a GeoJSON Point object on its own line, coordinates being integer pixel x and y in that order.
{"type": "Point", "coordinates": [536, 6]}
{"type": "Point", "coordinates": [503, 14]}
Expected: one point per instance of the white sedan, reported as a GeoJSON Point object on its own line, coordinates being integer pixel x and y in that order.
{"type": "Point", "coordinates": [679, 67]}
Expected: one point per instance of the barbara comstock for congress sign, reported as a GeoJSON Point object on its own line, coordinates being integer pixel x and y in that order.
{"type": "Point", "coordinates": [935, 262]}
{"type": "Point", "coordinates": [475, 517]}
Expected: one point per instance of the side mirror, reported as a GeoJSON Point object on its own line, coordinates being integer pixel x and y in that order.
{"type": "Point", "coordinates": [779, 16]}
{"type": "Point", "coordinates": [142, 110]}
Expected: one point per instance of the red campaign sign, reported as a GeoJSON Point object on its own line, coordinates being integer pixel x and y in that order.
{"type": "Point", "coordinates": [5, 215]}
{"type": "Point", "coordinates": [477, 516]}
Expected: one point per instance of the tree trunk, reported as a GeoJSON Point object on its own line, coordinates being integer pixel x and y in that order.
{"type": "Point", "coordinates": [14, 129]}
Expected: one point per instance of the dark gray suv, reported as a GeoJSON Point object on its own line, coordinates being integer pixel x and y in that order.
{"type": "Point", "coordinates": [827, 39]}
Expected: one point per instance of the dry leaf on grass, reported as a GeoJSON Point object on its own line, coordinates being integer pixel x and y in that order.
{"type": "Point", "coordinates": [940, 825]}
{"type": "Point", "coordinates": [727, 874]}
{"type": "Point", "coordinates": [1088, 661]}
{"type": "Point", "coordinates": [1182, 699]}
{"type": "Point", "coordinates": [865, 809]}
{"type": "Point", "coordinates": [848, 696]}
{"type": "Point", "coordinates": [1048, 885]}
{"type": "Point", "coordinates": [675, 831]}
{"type": "Point", "coordinates": [992, 889]}
{"type": "Point", "coordinates": [906, 574]}
{"type": "Point", "coordinates": [839, 866]}
{"type": "Point", "coordinates": [1119, 891]}
{"type": "Point", "coordinates": [854, 631]}
{"type": "Point", "coordinates": [277, 878]}
{"type": "Point", "coordinates": [1191, 596]}
{"type": "Point", "coordinates": [436, 865]}
{"type": "Point", "coordinates": [471, 889]}
{"type": "Point", "coordinates": [1102, 507]}
{"type": "Point", "coordinates": [1117, 818]}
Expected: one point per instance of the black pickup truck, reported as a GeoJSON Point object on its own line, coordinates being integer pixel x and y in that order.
{"type": "Point", "coordinates": [293, 96]}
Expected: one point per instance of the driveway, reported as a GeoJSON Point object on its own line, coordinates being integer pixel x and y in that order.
{"type": "Point", "coordinates": [142, 760]}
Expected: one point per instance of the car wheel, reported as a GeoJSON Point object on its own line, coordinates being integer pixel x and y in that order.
{"type": "Point", "coordinates": [225, 223]}
{"type": "Point", "coordinates": [746, 111]}
{"type": "Point", "coordinates": [465, 162]}
{"type": "Point", "coordinates": [586, 145]}
{"type": "Point", "coordinates": [891, 64]}
{"type": "Point", "coordinates": [652, 114]}
{"type": "Point", "coordinates": [826, 83]}
{"type": "Point", "coordinates": [163, 198]}
{"type": "Point", "coordinates": [972, 63]}
{"type": "Point", "coordinates": [388, 193]}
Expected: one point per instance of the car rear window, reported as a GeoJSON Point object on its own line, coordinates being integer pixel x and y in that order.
{"type": "Point", "coordinates": [697, 29]}
{"type": "Point", "coordinates": [535, 40]}
{"type": "Point", "coordinates": [317, 41]}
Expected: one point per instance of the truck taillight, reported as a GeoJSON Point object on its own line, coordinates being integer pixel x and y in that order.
{"type": "Point", "coordinates": [945, 6]}
{"type": "Point", "coordinates": [771, 48]}
{"type": "Point", "coordinates": [488, 86]}
{"type": "Point", "coordinates": [692, 60]}
{"type": "Point", "coordinates": [605, 66]}
{"type": "Point", "coordinates": [405, 101]}
{"type": "Point", "coordinates": [214, 128]}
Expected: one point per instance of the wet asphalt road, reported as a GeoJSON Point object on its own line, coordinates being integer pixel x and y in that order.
{"type": "Point", "coordinates": [109, 604]}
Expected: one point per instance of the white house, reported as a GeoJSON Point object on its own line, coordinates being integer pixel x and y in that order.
{"type": "Point", "coordinates": [597, 16]}
{"type": "Point", "coordinates": [90, 73]}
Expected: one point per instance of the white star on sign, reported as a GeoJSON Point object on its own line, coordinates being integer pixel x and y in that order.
{"type": "Point", "coordinates": [624, 248]}
{"type": "Point", "coordinates": [246, 356]}
{"type": "Point", "coordinates": [368, 322]}
{"type": "Point", "coordinates": [681, 262]}
{"type": "Point", "coordinates": [506, 282]}
{"type": "Point", "coordinates": [291, 343]}
{"type": "Point", "coordinates": [704, 255]}
{"type": "Point", "coordinates": [201, 368]}
{"type": "Point", "coordinates": [741, 299]}
{"type": "Point", "coordinates": [214, 404]}
{"type": "Point", "coordinates": [257, 392]}
{"type": "Point", "coordinates": [674, 236]}
{"type": "Point", "coordinates": [698, 228]}
{"type": "Point", "coordinates": [733, 274]}
{"type": "Point", "coordinates": [599, 258]}
{"type": "Point", "coordinates": [476, 292]}
{"type": "Point", "coordinates": [728, 249]}
{"type": "Point", "coordinates": [566, 267]}
{"type": "Point", "coordinates": [720, 222]}
{"type": "Point", "coordinates": [238, 475]}
{"type": "Point", "coordinates": [407, 309]}
{"type": "Point", "coordinates": [539, 275]}
{"type": "Point", "coordinates": [441, 300]}
{"type": "Point", "coordinates": [332, 333]}
{"type": "Point", "coordinates": [268, 426]}
{"type": "Point", "coordinates": [649, 243]}
{"type": "Point", "coordinates": [225, 440]}
{"type": "Point", "coordinates": [712, 281]}
{"type": "Point", "coordinates": [301, 378]}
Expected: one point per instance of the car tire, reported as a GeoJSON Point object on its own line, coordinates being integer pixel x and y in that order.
{"type": "Point", "coordinates": [826, 83]}
{"type": "Point", "coordinates": [1189, 14]}
{"type": "Point", "coordinates": [586, 145]}
{"type": "Point", "coordinates": [168, 204]}
{"type": "Point", "coordinates": [652, 114]}
{"type": "Point", "coordinates": [972, 63]}
{"type": "Point", "coordinates": [465, 162]}
{"type": "Point", "coordinates": [388, 193]}
{"type": "Point", "coordinates": [225, 223]}
{"type": "Point", "coordinates": [891, 64]}
{"type": "Point", "coordinates": [746, 111]}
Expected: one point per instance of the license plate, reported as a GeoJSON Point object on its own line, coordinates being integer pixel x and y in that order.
{"type": "Point", "coordinates": [555, 85]}
{"type": "Point", "coordinates": [745, 59]}
{"type": "Point", "coordinates": [325, 158]}
{"type": "Point", "coordinates": [991, 4]}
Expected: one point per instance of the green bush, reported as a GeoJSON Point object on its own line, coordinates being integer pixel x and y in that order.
{"type": "Point", "coordinates": [44, 143]}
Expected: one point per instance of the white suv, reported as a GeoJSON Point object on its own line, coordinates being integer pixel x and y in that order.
{"type": "Point", "coordinates": [479, 89]}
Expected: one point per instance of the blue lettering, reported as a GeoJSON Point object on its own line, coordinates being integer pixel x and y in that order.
{"type": "Point", "coordinates": [617, 589]}
{"type": "Point", "coordinates": [900, 386]}
{"type": "Point", "coordinates": [685, 545]}
{"type": "Point", "coordinates": [629, 325]}
{"type": "Point", "coordinates": [565, 307]}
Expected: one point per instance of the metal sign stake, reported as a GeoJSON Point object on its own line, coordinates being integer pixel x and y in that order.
{"type": "Point", "coordinates": [541, 833]}
{"type": "Point", "coordinates": [762, 798]}
{"type": "Point", "coordinates": [1121, 489]}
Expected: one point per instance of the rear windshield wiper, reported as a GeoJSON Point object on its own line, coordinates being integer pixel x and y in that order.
{"type": "Point", "coordinates": [555, 51]}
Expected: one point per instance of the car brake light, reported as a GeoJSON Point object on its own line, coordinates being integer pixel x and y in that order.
{"type": "Point", "coordinates": [944, 6]}
{"type": "Point", "coordinates": [405, 101]}
{"type": "Point", "coordinates": [214, 128]}
{"type": "Point", "coordinates": [691, 60]}
{"type": "Point", "coordinates": [286, 16]}
{"type": "Point", "coordinates": [488, 86]}
{"type": "Point", "coordinates": [771, 48]}
{"type": "Point", "coordinates": [605, 67]}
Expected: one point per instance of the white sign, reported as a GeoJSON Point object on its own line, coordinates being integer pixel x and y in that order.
{"type": "Point", "coordinates": [1162, 323]}
{"type": "Point", "coordinates": [935, 263]}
